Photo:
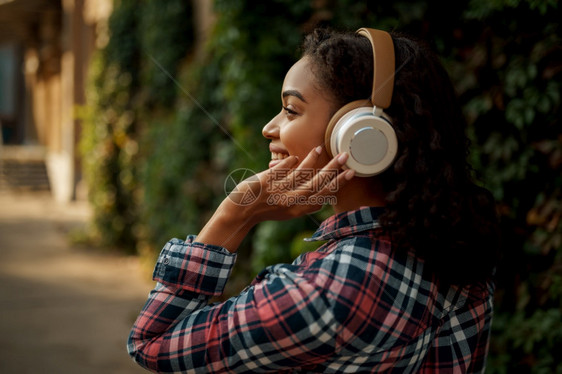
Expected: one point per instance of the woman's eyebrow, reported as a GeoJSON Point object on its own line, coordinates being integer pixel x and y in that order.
{"type": "Point", "coordinates": [295, 93]}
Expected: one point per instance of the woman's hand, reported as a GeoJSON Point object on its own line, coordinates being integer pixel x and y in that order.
{"type": "Point", "coordinates": [291, 189]}
{"type": "Point", "coordinates": [288, 190]}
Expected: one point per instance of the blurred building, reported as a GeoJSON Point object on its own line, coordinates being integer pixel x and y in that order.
{"type": "Point", "coordinates": [45, 47]}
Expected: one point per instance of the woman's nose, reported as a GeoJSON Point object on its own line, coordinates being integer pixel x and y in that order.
{"type": "Point", "coordinates": [271, 130]}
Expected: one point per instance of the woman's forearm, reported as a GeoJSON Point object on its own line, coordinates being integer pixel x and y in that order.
{"type": "Point", "coordinates": [225, 228]}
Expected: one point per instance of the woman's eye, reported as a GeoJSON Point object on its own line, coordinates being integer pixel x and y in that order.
{"type": "Point", "coordinates": [289, 111]}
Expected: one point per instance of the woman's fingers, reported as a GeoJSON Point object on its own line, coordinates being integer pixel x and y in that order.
{"type": "Point", "coordinates": [327, 176]}
{"type": "Point", "coordinates": [276, 177]}
{"type": "Point", "coordinates": [337, 183]}
{"type": "Point", "coordinates": [290, 162]}
{"type": "Point", "coordinates": [311, 159]}
{"type": "Point", "coordinates": [302, 186]}
{"type": "Point", "coordinates": [289, 174]}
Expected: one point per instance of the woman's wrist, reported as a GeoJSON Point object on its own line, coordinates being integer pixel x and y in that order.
{"type": "Point", "coordinates": [227, 227]}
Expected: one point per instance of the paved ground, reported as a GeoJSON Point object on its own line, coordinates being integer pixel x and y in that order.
{"type": "Point", "coordinates": [63, 309]}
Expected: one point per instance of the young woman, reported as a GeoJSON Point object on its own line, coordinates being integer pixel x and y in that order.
{"type": "Point", "coordinates": [403, 281]}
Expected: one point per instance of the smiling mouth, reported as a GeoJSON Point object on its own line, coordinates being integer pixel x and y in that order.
{"type": "Point", "coordinates": [278, 156]}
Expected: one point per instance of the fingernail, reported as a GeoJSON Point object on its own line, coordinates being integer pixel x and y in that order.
{"type": "Point", "coordinates": [349, 174]}
{"type": "Point", "coordinates": [342, 158]}
{"type": "Point", "coordinates": [318, 149]}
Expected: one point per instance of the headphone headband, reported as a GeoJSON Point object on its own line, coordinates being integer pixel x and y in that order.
{"type": "Point", "coordinates": [383, 66]}
{"type": "Point", "coordinates": [361, 127]}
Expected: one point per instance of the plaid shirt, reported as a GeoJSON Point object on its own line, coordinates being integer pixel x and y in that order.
{"type": "Point", "coordinates": [352, 306]}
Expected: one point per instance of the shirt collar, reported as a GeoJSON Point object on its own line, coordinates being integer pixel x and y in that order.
{"type": "Point", "coordinates": [347, 223]}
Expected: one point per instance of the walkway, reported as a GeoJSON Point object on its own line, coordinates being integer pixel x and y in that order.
{"type": "Point", "coordinates": [63, 309]}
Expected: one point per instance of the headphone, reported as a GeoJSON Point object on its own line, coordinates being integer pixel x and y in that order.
{"type": "Point", "coordinates": [361, 128]}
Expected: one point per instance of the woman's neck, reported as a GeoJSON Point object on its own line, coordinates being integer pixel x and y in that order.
{"type": "Point", "coordinates": [359, 192]}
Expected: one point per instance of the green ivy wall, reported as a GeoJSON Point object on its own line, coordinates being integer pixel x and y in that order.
{"type": "Point", "coordinates": [163, 128]}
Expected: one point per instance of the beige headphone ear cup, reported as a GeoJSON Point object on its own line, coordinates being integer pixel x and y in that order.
{"type": "Point", "coordinates": [366, 133]}
{"type": "Point", "coordinates": [370, 140]}
{"type": "Point", "coordinates": [337, 116]}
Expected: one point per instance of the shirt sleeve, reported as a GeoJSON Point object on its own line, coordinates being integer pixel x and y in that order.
{"type": "Point", "coordinates": [190, 266]}
{"type": "Point", "coordinates": [281, 321]}
{"type": "Point", "coordinates": [187, 275]}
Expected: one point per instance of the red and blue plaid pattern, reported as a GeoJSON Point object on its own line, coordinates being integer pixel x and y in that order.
{"type": "Point", "coordinates": [352, 306]}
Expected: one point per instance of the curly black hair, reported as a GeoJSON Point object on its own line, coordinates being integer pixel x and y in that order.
{"type": "Point", "coordinates": [433, 206]}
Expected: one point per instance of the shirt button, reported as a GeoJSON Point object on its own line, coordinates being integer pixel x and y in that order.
{"type": "Point", "coordinates": [166, 261]}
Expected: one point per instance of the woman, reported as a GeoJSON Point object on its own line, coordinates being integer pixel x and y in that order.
{"type": "Point", "coordinates": [403, 282]}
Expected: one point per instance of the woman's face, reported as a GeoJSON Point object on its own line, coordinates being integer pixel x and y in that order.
{"type": "Point", "coordinates": [304, 116]}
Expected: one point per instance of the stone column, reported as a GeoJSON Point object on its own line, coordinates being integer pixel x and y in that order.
{"type": "Point", "coordinates": [61, 158]}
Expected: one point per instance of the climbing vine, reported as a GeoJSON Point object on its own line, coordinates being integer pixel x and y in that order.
{"type": "Point", "coordinates": [165, 127]}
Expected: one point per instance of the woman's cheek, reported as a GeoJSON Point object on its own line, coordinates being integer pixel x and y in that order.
{"type": "Point", "coordinates": [301, 138]}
